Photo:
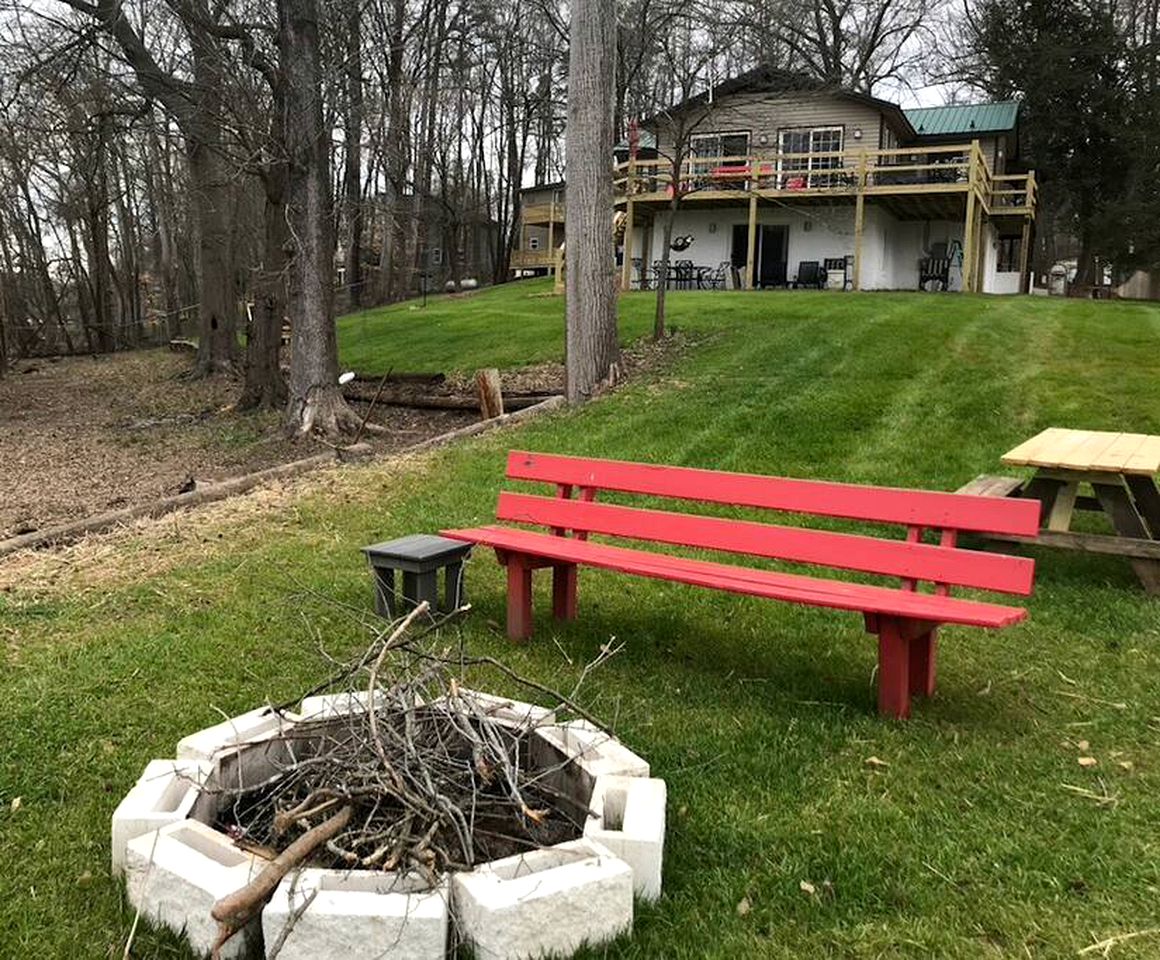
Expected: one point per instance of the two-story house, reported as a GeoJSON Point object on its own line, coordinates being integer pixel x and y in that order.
{"type": "Point", "coordinates": [784, 181]}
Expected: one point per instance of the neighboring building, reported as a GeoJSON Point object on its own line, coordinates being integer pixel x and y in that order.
{"type": "Point", "coordinates": [541, 230]}
{"type": "Point", "coordinates": [781, 173]}
{"type": "Point", "coordinates": [459, 246]}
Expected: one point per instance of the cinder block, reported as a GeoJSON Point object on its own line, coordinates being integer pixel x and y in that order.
{"type": "Point", "coordinates": [358, 915]}
{"type": "Point", "coordinates": [259, 724]}
{"type": "Point", "coordinates": [328, 706]}
{"type": "Point", "coordinates": [596, 751]}
{"type": "Point", "coordinates": [544, 903]}
{"type": "Point", "coordinates": [511, 713]}
{"type": "Point", "coordinates": [163, 794]}
{"type": "Point", "coordinates": [175, 875]}
{"type": "Point", "coordinates": [627, 815]}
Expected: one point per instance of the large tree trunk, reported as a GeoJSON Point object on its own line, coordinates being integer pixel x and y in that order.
{"type": "Point", "coordinates": [265, 387]}
{"type": "Point", "coordinates": [160, 186]}
{"type": "Point", "coordinates": [352, 169]}
{"type": "Point", "coordinates": [591, 341]}
{"type": "Point", "coordinates": [217, 348]}
{"type": "Point", "coordinates": [316, 403]}
{"type": "Point", "coordinates": [398, 156]}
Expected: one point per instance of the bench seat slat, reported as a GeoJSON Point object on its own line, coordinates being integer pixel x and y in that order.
{"type": "Point", "coordinates": [921, 508]}
{"type": "Point", "coordinates": [791, 588]}
{"type": "Point", "coordinates": [842, 551]}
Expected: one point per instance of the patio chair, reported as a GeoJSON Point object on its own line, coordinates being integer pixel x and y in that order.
{"type": "Point", "coordinates": [833, 265]}
{"type": "Point", "coordinates": [810, 274]}
{"type": "Point", "coordinates": [935, 269]}
{"type": "Point", "coordinates": [711, 279]}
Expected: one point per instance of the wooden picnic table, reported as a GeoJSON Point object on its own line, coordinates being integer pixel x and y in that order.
{"type": "Point", "coordinates": [1119, 469]}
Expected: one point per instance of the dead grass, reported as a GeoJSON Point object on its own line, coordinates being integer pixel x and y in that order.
{"type": "Point", "coordinates": [153, 546]}
{"type": "Point", "coordinates": [84, 435]}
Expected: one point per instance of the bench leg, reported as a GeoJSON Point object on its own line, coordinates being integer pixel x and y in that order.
{"type": "Point", "coordinates": [923, 652]}
{"type": "Point", "coordinates": [564, 591]}
{"type": "Point", "coordinates": [519, 611]}
{"type": "Point", "coordinates": [893, 670]}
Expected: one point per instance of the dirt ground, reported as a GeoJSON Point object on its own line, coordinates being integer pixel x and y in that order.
{"type": "Point", "coordinates": [82, 435]}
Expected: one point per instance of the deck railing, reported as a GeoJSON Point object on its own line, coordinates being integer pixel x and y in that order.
{"type": "Point", "coordinates": [531, 259]}
{"type": "Point", "coordinates": [542, 213]}
{"type": "Point", "coordinates": [933, 169]}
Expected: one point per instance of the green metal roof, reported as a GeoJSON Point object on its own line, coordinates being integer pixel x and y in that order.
{"type": "Point", "coordinates": [968, 118]}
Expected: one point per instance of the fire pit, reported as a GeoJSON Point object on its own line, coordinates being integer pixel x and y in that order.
{"type": "Point", "coordinates": [533, 841]}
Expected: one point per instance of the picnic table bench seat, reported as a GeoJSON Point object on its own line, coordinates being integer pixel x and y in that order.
{"type": "Point", "coordinates": [904, 618]}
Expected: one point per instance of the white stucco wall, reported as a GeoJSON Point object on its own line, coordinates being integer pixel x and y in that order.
{"type": "Point", "coordinates": [891, 248]}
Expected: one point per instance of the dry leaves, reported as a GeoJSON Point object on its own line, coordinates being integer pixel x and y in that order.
{"type": "Point", "coordinates": [743, 907]}
{"type": "Point", "coordinates": [1087, 761]}
{"type": "Point", "coordinates": [808, 888]}
{"type": "Point", "coordinates": [875, 763]}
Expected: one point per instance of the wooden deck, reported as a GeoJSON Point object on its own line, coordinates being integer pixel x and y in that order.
{"type": "Point", "coordinates": [946, 182]}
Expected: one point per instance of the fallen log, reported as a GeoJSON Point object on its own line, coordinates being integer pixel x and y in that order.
{"type": "Point", "coordinates": [515, 402]}
{"type": "Point", "coordinates": [207, 494]}
{"type": "Point", "coordinates": [67, 532]}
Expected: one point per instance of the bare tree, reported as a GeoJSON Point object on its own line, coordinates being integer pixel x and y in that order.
{"type": "Point", "coordinates": [591, 342]}
{"type": "Point", "coordinates": [316, 403]}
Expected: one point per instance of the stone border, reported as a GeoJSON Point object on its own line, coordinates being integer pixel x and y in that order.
{"type": "Point", "coordinates": [547, 902]}
{"type": "Point", "coordinates": [358, 915]}
{"type": "Point", "coordinates": [544, 902]}
{"type": "Point", "coordinates": [627, 815]}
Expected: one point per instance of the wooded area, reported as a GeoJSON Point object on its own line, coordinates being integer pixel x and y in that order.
{"type": "Point", "coordinates": [209, 171]}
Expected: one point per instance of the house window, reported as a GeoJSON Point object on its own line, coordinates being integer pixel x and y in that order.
{"type": "Point", "coordinates": [708, 150]}
{"type": "Point", "coordinates": [803, 169]}
{"type": "Point", "coordinates": [1010, 251]}
{"type": "Point", "coordinates": [533, 243]}
{"type": "Point", "coordinates": [436, 256]}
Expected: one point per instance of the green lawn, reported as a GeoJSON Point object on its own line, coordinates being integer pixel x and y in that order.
{"type": "Point", "coordinates": [759, 715]}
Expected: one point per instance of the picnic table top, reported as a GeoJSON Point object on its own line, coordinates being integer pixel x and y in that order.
{"type": "Point", "coordinates": [1096, 451]}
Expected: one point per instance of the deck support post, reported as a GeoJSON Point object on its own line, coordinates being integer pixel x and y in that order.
{"type": "Point", "coordinates": [626, 266]}
{"type": "Point", "coordinates": [519, 600]}
{"type": "Point", "coordinates": [1025, 257]}
{"type": "Point", "coordinates": [751, 253]}
{"type": "Point", "coordinates": [629, 211]}
{"type": "Point", "coordinates": [859, 220]}
{"type": "Point", "coordinates": [969, 233]}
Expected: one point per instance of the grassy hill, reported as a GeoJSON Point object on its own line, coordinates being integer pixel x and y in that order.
{"type": "Point", "coordinates": [972, 842]}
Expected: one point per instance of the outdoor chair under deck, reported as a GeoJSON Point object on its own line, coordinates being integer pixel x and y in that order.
{"type": "Point", "coordinates": [810, 274]}
{"type": "Point", "coordinates": [935, 269]}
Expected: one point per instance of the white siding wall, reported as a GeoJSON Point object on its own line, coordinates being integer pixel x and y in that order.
{"type": "Point", "coordinates": [891, 248]}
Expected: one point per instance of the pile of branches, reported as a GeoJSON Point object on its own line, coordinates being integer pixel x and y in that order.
{"type": "Point", "coordinates": [420, 776]}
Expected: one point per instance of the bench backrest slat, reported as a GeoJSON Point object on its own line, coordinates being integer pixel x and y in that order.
{"type": "Point", "coordinates": [907, 559]}
{"type": "Point", "coordinates": [922, 508]}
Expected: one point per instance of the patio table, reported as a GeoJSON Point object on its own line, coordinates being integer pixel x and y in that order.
{"type": "Point", "coordinates": [1120, 471]}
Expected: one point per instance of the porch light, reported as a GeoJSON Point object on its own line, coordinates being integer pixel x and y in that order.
{"type": "Point", "coordinates": [857, 133]}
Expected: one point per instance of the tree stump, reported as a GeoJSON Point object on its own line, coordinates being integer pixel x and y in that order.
{"type": "Point", "coordinates": [490, 393]}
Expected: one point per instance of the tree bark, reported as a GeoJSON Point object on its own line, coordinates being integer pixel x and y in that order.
{"type": "Point", "coordinates": [663, 273]}
{"type": "Point", "coordinates": [352, 162]}
{"type": "Point", "coordinates": [217, 347]}
{"type": "Point", "coordinates": [265, 387]}
{"type": "Point", "coordinates": [316, 404]}
{"type": "Point", "coordinates": [591, 342]}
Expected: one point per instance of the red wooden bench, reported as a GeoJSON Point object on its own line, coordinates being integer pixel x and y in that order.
{"type": "Point", "coordinates": [904, 618]}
